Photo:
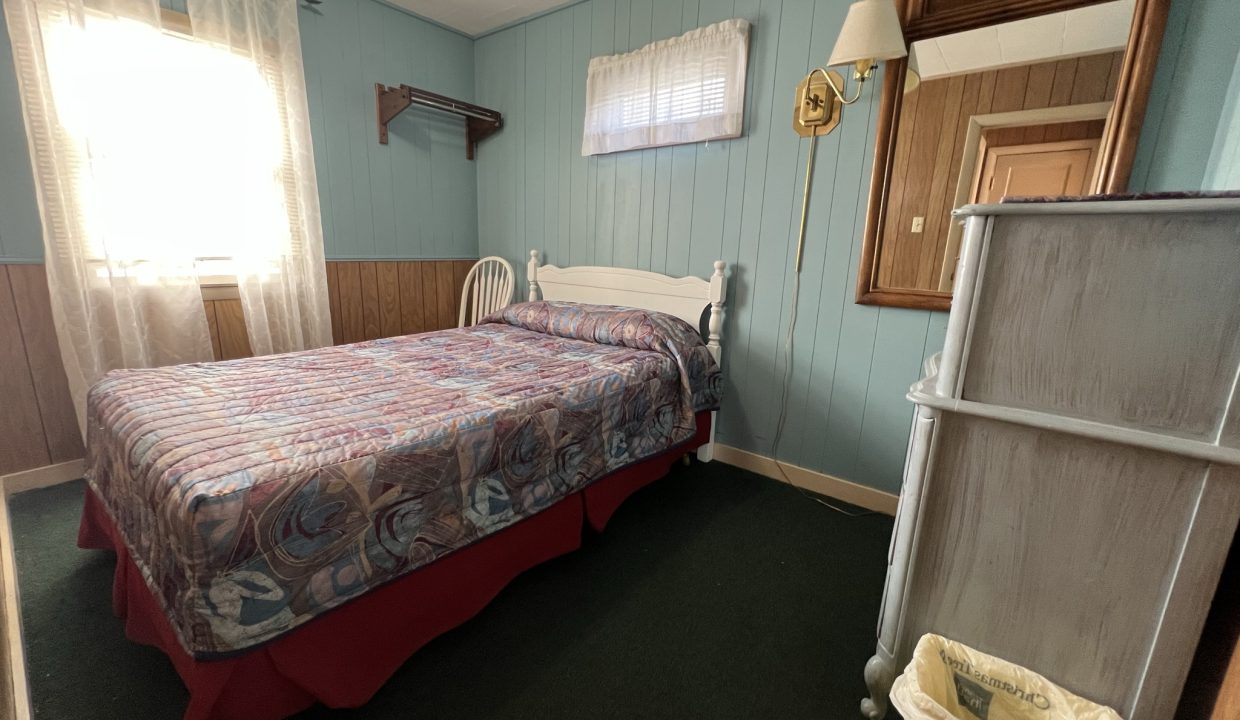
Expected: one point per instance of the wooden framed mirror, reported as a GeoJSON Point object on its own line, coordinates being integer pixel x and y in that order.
{"type": "Point", "coordinates": [1010, 97]}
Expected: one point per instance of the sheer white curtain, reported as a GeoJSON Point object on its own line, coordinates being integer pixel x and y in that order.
{"type": "Point", "coordinates": [164, 151]}
{"type": "Point", "coordinates": [284, 289]}
{"type": "Point", "coordinates": [122, 292]}
{"type": "Point", "coordinates": [680, 90]}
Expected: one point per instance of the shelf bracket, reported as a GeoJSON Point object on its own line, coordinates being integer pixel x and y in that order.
{"type": "Point", "coordinates": [389, 102]}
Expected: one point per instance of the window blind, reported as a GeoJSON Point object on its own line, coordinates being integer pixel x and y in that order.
{"type": "Point", "coordinates": [681, 90]}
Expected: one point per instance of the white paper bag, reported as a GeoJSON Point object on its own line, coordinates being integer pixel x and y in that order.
{"type": "Point", "coordinates": [949, 681]}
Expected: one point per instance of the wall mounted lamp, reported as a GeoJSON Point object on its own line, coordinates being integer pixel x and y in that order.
{"type": "Point", "coordinates": [871, 33]}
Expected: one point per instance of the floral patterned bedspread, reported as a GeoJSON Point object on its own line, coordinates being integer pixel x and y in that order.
{"type": "Point", "coordinates": [255, 494]}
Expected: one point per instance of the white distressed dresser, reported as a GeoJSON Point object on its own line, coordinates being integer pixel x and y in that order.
{"type": "Point", "coordinates": [1072, 482]}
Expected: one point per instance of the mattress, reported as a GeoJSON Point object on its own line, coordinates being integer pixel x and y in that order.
{"type": "Point", "coordinates": [256, 494]}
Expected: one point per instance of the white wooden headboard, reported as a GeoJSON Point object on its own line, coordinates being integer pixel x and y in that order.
{"type": "Point", "coordinates": [684, 297]}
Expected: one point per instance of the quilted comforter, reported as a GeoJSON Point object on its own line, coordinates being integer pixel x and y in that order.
{"type": "Point", "coordinates": [256, 494]}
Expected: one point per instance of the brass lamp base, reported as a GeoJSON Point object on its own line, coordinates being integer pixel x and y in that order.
{"type": "Point", "coordinates": [819, 114]}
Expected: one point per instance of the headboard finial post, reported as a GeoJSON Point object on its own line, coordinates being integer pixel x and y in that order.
{"type": "Point", "coordinates": [533, 275]}
{"type": "Point", "coordinates": [718, 292]}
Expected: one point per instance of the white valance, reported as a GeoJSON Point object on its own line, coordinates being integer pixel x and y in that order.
{"type": "Point", "coordinates": [681, 90]}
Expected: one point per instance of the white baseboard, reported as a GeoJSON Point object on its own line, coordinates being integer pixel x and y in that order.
{"type": "Point", "coordinates": [812, 480]}
{"type": "Point", "coordinates": [14, 647]}
{"type": "Point", "coordinates": [42, 477]}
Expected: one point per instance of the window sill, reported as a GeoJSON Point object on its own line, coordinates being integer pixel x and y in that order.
{"type": "Point", "coordinates": [219, 291]}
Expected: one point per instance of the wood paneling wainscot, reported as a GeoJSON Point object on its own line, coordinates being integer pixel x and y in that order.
{"type": "Point", "coordinates": [226, 322]}
{"type": "Point", "coordinates": [369, 300]}
{"type": "Point", "coordinates": [383, 298]}
{"type": "Point", "coordinates": [37, 425]}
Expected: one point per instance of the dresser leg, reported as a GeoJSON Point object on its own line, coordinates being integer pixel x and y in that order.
{"type": "Point", "coordinates": [879, 674]}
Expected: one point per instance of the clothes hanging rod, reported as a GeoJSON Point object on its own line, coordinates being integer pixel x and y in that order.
{"type": "Point", "coordinates": [480, 122]}
{"type": "Point", "coordinates": [455, 109]}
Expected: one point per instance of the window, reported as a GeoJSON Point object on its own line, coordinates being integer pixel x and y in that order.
{"type": "Point", "coordinates": [687, 89]}
{"type": "Point", "coordinates": [181, 148]}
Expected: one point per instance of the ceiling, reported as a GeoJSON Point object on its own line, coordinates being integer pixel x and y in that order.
{"type": "Point", "coordinates": [1071, 33]}
{"type": "Point", "coordinates": [474, 17]}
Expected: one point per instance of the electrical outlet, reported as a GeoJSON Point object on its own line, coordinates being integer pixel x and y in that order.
{"type": "Point", "coordinates": [919, 224]}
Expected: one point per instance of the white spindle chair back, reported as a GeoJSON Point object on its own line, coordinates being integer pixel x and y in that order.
{"type": "Point", "coordinates": [489, 286]}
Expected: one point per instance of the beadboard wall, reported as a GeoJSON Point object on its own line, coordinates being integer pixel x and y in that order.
{"type": "Point", "coordinates": [675, 210]}
{"type": "Point", "coordinates": [21, 235]}
{"type": "Point", "coordinates": [1192, 128]}
{"type": "Point", "coordinates": [415, 197]}
{"type": "Point", "coordinates": [1223, 170]}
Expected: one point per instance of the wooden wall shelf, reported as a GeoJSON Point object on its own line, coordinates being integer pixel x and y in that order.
{"type": "Point", "coordinates": [480, 122]}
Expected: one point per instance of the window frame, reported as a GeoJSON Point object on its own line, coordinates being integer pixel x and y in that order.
{"type": "Point", "coordinates": [179, 25]}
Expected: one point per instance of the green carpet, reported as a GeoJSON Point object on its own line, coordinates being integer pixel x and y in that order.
{"type": "Point", "coordinates": [714, 593]}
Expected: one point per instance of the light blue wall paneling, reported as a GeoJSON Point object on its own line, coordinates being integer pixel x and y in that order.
{"type": "Point", "coordinates": [677, 209]}
{"type": "Point", "coordinates": [415, 197]}
{"type": "Point", "coordinates": [1191, 86]}
{"type": "Point", "coordinates": [21, 235]}
{"type": "Point", "coordinates": [1223, 169]}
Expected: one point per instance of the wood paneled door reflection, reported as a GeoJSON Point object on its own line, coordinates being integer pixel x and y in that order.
{"type": "Point", "coordinates": [1037, 170]}
{"type": "Point", "coordinates": [930, 150]}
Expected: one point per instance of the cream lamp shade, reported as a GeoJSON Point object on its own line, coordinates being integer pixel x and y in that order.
{"type": "Point", "coordinates": [912, 74]}
{"type": "Point", "coordinates": [911, 80]}
{"type": "Point", "coordinates": [871, 32]}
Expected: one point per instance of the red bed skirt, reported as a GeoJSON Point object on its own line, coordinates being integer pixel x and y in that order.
{"type": "Point", "coordinates": [343, 657]}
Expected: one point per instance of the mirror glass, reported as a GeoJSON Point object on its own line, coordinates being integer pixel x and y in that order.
{"type": "Point", "coordinates": [1015, 109]}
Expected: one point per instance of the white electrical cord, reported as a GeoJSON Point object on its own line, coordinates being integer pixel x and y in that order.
{"type": "Point", "coordinates": [792, 323]}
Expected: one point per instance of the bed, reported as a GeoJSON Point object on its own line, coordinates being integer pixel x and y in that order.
{"type": "Point", "coordinates": [290, 529]}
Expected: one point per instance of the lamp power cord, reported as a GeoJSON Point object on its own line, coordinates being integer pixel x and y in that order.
{"type": "Point", "coordinates": [785, 385]}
